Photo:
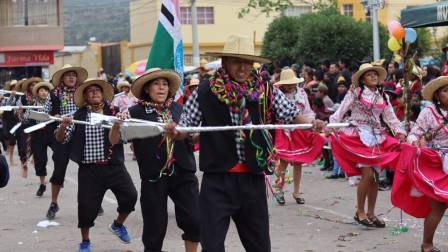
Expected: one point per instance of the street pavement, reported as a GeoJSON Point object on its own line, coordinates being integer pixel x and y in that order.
{"type": "Point", "coordinates": [324, 223]}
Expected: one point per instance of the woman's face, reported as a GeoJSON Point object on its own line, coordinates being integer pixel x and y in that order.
{"type": "Point", "coordinates": [30, 86]}
{"type": "Point", "coordinates": [69, 79]}
{"type": "Point", "coordinates": [42, 93]}
{"type": "Point", "coordinates": [425, 71]}
{"type": "Point", "coordinates": [125, 89]}
{"type": "Point", "coordinates": [370, 79]}
{"type": "Point", "coordinates": [158, 90]}
{"type": "Point", "coordinates": [442, 96]}
{"type": "Point", "coordinates": [288, 89]}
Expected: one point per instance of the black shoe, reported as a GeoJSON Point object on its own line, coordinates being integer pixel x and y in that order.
{"type": "Point", "coordinates": [52, 211]}
{"type": "Point", "coordinates": [384, 187]}
{"type": "Point", "coordinates": [342, 175]}
{"type": "Point", "coordinates": [324, 168]}
{"type": "Point", "coordinates": [280, 198]}
{"type": "Point", "coordinates": [101, 211]}
{"type": "Point", "coordinates": [41, 190]}
{"type": "Point", "coordinates": [332, 176]}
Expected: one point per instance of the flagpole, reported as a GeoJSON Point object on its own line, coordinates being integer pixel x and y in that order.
{"type": "Point", "coordinates": [194, 30]}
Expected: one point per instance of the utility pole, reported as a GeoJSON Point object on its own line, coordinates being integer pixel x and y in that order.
{"type": "Point", "coordinates": [372, 7]}
{"type": "Point", "coordinates": [194, 30]}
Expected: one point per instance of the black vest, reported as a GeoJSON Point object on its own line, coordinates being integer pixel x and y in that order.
{"type": "Point", "coordinates": [78, 140]}
{"type": "Point", "coordinates": [151, 155]}
{"type": "Point", "coordinates": [218, 149]}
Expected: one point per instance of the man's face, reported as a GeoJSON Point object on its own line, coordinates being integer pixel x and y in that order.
{"type": "Point", "coordinates": [238, 69]}
{"type": "Point", "coordinates": [93, 95]}
{"type": "Point", "coordinates": [333, 69]}
{"type": "Point", "coordinates": [69, 79]}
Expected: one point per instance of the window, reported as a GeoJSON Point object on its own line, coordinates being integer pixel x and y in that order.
{"type": "Point", "coordinates": [347, 10]}
{"type": "Point", "coordinates": [295, 11]}
{"type": "Point", "coordinates": [205, 15]}
{"type": "Point", "coordinates": [28, 12]}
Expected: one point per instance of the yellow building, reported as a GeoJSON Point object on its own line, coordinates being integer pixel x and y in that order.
{"type": "Point", "coordinates": [217, 19]}
{"type": "Point", "coordinates": [390, 11]}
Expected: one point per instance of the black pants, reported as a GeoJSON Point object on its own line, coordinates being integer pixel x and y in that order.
{"type": "Point", "coordinates": [60, 159]}
{"type": "Point", "coordinates": [241, 197]}
{"type": "Point", "coordinates": [183, 189]}
{"type": "Point", "coordinates": [93, 182]}
{"type": "Point", "coordinates": [22, 144]}
{"type": "Point", "coordinates": [40, 141]}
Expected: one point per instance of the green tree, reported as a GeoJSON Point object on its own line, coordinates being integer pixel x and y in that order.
{"type": "Point", "coordinates": [275, 6]}
{"type": "Point", "coordinates": [422, 46]}
{"type": "Point", "coordinates": [322, 35]}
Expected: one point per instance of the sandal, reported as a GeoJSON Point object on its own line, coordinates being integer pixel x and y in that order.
{"type": "Point", "coordinates": [433, 249]}
{"type": "Point", "coordinates": [377, 222]}
{"type": "Point", "coordinates": [279, 198]}
{"type": "Point", "coordinates": [365, 222]}
{"type": "Point", "coordinates": [299, 200]}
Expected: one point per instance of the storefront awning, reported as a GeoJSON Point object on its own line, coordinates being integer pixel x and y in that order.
{"type": "Point", "coordinates": [425, 15]}
{"type": "Point", "coordinates": [29, 48]}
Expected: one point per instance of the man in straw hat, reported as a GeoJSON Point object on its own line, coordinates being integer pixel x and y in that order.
{"type": "Point", "coordinates": [411, 190]}
{"type": "Point", "coordinates": [43, 138]}
{"type": "Point", "coordinates": [125, 99]}
{"type": "Point", "coordinates": [233, 162]}
{"type": "Point", "coordinates": [416, 80]}
{"type": "Point", "coordinates": [65, 80]}
{"type": "Point", "coordinates": [100, 159]}
{"type": "Point", "coordinates": [167, 168]}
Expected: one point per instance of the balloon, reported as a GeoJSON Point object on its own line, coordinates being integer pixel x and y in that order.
{"type": "Point", "coordinates": [410, 35]}
{"type": "Point", "coordinates": [398, 32]}
{"type": "Point", "coordinates": [393, 44]}
{"type": "Point", "coordinates": [392, 25]}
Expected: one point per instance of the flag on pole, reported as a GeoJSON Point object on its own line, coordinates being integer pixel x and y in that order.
{"type": "Point", "coordinates": [167, 50]}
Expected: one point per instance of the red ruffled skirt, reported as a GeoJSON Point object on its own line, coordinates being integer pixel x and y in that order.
{"type": "Point", "coordinates": [419, 176]}
{"type": "Point", "coordinates": [298, 146]}
{"type": "Point", "coordinates": [350, 151]}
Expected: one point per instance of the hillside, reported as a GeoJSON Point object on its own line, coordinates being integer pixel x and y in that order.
{"type": "Point", "coordinates": [106, 20]}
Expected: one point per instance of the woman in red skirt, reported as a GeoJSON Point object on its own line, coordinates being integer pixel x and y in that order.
{"type": "Point", "coordinates": [295, 146]}
{"type": "Point", "coordinates": [366, 147]}
{"type": "Point", "coordinates": [420, 185]}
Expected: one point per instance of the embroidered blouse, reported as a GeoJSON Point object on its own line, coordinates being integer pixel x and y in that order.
{"type": "Point", "coordinates": [366, 113]}
{"type": "Point", "coordinates": [430, 121]}
{"type": "Point", "coordinates": [300, 98]}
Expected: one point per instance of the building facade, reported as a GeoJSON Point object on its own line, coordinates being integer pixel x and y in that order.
{"type": "Point", "coordinates": [217, 19]}
{"type": "Point", "coordinates": [30, 32]}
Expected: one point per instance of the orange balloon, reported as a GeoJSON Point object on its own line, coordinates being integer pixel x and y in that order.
{"type": "Point", "coordinates": [398, 32]}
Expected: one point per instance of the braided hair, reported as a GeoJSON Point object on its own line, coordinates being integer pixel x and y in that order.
{"type": "Point", "coordinates": [439, 110]}
{"type": "Point", "coordinates": [378, 87]}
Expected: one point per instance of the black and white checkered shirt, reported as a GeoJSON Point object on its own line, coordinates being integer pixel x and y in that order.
{"type": "Point", "coordinates": [284, 109]}
{"type": "Point", "coordinates": [11, 101]}
{"type": "Point", "coordinates": [68, 108]}
{"type": "Point", "coordinates": [94, 143]}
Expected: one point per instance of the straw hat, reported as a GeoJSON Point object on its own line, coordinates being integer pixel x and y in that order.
{"type": "Point", "coordinates": [124, 83]}
{"type": "Point", "coordinates": [417, 71]}
{"type": "Point", "coordinates": [193, 82]}
{"type": "Point", "coordinates": [9, 84]}
{"type": "Point", "coordinates": [152, 74]}
{"type": "Point", "coordinates": [19, 84]}
{"type": "Point", "coordinates": [369, 67]}
{"type": "Point", "coordinates": [432, 86]}
{"type": "Point", "coordinates": [28, 82]}
{"type": "Point", "coordinates": [42, 84]}
{"type": "Point", "coordinates": [288, 77]}
{"type": "Point", "coordinates": [80, 72]}
{"type": "Point", "coordinates": [239, 47]}
{"type": "Point", "coordinates": [322, 88]}
{"type": "Point", "coordinates": [108, 90]}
